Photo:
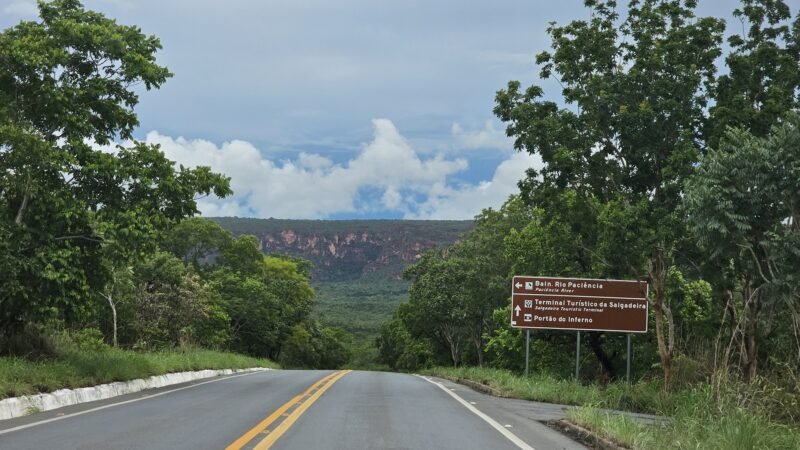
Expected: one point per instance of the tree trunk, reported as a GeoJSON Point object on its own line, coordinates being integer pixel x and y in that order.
{"type": "Point", "coordinates": [477, 339]}
{"type": "Point", "coordinates": [452, 340]}
{"type": "Point", "coordinates": [113, 316]}
{"type": "Point", "coordinates": [21, 210]}
{"type": "Point", "coordinates": [665, 338]}
{"type": "Point", "coordinates": [479, 348]}
{"type": "Point", "coordinates": [750, 336]}
{"type": "Point", "coordinates": [601, 355]}
{"type": "Point", "coordinates": [26, 198]}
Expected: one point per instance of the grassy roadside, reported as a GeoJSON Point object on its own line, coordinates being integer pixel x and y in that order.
{"type": "Point", "coordinates": [695, 428]}
{"type": "Point", "coordinates": [698, 418]}
{"type": "Point", "coordinates": [642, 397]}
{"type": "Point", "coordinates": [81, 368]}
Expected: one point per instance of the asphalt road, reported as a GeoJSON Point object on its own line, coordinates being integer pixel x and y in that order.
{"type": "Point", "coordinates": [295, 410]}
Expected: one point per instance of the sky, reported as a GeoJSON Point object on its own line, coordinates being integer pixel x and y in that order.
{"type": "Point", "coordinates": [349, 109]}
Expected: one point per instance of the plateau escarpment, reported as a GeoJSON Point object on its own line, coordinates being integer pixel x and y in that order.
{"type": "Point", "coordinates": [350, 250]}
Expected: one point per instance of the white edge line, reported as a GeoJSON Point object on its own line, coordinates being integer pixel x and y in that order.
{"type": "Point", "coordinates": [80, 413]}
{"type": "Point", "coordinates": [504, 431]}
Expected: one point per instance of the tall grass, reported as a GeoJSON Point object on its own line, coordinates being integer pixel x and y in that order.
{"type": "Point", "coordinates": [644, 396]}
{"type": "Point", "coordinates": [619, 428]}
{"type": "Point", "coordinates": [691, 429]}
{"type": "Point", "coordinates": [735, 417]}
{"type": "Point", "coordinates": [72, 368]}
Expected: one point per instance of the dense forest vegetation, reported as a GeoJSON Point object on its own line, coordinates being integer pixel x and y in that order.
{"type": "Point", "coordinates": [669, 157]}
{"type": "Point", "coordinates": [96, 228]}
{"type": "Point", "coordinates": [357, 266]}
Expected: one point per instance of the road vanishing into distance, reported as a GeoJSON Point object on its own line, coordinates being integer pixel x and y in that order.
{"type": "Point", "coordinates": [287, 409]}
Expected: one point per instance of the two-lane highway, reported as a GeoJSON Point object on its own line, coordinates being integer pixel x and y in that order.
{"type": "Point", "coordinates": [290, 410]}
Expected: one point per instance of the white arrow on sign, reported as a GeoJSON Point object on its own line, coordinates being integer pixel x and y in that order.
{"type": "Point", "coordinates": [517, 310]}
{"type": "Point", "coordinates": [518, 285]}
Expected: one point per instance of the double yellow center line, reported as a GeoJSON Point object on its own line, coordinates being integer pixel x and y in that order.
{"type": "Point", "coordinates": [298, 405]}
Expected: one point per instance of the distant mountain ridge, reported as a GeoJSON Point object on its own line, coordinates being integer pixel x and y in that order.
{"type": "Point", "coordinates": [347, 250]}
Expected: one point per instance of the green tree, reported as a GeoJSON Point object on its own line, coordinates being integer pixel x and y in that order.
{"type": "Point", "coordinates": [487, 270]}
{"type": "Point", "coordinates": [312, 346]}
{"type": "Point", "coordinates": [439, 301]}
{"type": "Point", "coordinates": [66, 86]}
{"type": "Point", "coordinates": [169, 299]}
{"type": "Point", "coordinates": [265, 296]}
{"type": "Point", "coordinates": [636, 92]}
{"type": "Point", "coordinates": [399, 350]}
{"type": "Point", "coordinates": [763, 79]}
{"type": "Point", "coordinates": [195, 239]}
{"type": "Point", "coordinates": [743, 204]}
{"type": "Point", "coordinates": [254, 313]}
{"type": "Point", "coordinates": [289, 280]}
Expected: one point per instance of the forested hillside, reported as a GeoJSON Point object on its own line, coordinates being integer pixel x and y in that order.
{"type": "Point", "coordinates": [357, 264]}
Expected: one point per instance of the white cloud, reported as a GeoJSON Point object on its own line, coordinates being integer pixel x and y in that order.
{"type": "Point", "coordinates": [313, 161]}
{"type": "Point", "coordinates": [313, 186]}
{"type": "Point", "coordinates": [488, 137]}
{"type": "Point", "coordinates": [467, 201]}
{"type": "Point", "coordinates": [391, 198]}
{"type": "Point", "coordinates": [22, 9]}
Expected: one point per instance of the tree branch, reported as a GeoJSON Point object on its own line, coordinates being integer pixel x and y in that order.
{"type": "Point", "coordinates": [85, 238]}
{"type": "Point", "coordinates": [756, 261]}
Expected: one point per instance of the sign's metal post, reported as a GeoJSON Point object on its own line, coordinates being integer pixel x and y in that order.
{"type": "Point", "coordinates": [577, 356]}
{"type": "Point", "coordinates": [628, 361]}
{"type": "Point", "coordinates": [527, 349]}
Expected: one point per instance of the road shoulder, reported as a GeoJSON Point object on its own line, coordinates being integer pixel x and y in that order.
{"type": "Point", "coordinates": [521, 417]}
{"type": "Point", "coordinates": [41, 417]}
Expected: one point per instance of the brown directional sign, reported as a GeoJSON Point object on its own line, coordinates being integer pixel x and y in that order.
{"type": "Point", "coordinates": [579, 304]}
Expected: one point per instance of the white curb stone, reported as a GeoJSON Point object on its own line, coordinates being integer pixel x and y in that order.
{"type": "Point", "coordinates": [21, 406]}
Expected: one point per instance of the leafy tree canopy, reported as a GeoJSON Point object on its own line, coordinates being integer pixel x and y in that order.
{"type": "Point", "coordinates": [67, 86]}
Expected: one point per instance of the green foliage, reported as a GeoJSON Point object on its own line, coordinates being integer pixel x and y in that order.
{"type": "Point", "coordinates": [359, 307]}
{"type": "Point", "coordinates": [169, 298]}
{"type": "Point", "coordinates": [74, 369]}
{"type": "Point", "coordinates": [763, 82]}
{"type": "Point", "coordinates": [89, 340]}
{"type": "Point", "coordinates": [742, 207]}
{"type": "Point", "coordinates": [399, 350]}
{"type": "Point", "coordinates": [311, 346]}
{"type": "Point", "coordinates": [616, 156]}
{"type": "Point", "coordinates": [620, 428]}
{"type": "Point", "coordinates": [67, 208]}
{"type": "Point", "coordinates": [243, 300]}
{"type": "Point", "coordinates": [213, 329]}
{"type": "Point", "coordinates": [196, 239]}
{"type": "Point", "coordinates": [644, 396]}
{"type": "Point", "coordinates": [692, 427]}
{"type": "Point", "coordinates": [506, 345]}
